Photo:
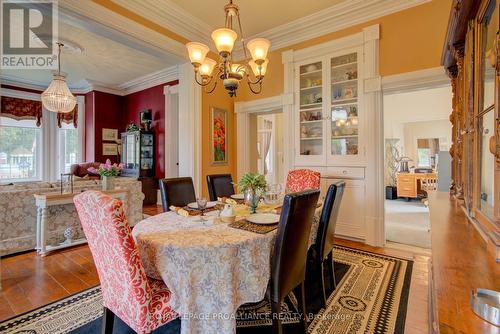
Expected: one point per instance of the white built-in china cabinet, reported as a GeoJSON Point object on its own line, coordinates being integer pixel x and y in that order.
{"type": "Point", "coordinates": [334, 118]}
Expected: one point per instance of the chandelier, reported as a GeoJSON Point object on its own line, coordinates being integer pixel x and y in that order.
{"type": "Point", "coordinates": [226, 69]}
{"type": "Point", "coordinates": [57, 97]}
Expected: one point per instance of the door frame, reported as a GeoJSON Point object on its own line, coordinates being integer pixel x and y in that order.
{"type": "Point", "coordinates": [244, 110]}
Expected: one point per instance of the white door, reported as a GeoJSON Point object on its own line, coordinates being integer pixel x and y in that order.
{"type": "Point", "coordinates": [172, 135]}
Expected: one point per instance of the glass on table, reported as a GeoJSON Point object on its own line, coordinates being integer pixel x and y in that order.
{"type": "Point", "coordinates": [202, 205]}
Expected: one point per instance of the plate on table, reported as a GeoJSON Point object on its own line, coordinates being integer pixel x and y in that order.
{"type": "Point", "coordinates": [264, 218]}
{"type": "Point", "coordinates": [194, 205]}
{"type": "Point", "coordinates": [238, 196]}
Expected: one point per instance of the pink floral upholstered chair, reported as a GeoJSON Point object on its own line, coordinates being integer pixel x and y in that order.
{"type": "Point", "coordinates": [302, 179]}
{"type": "Point", "coordinates": [142, 303]}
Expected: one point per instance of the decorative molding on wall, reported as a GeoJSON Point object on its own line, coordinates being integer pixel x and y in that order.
{"type": "Point", "coordinates": [372, 84]}
{"type": "Point", "coordinates": [334, 18]}
{"type": "Point", "coordinates": [243, 111]}
{"type": "Point", "coordinates": [85, 86]}
{"type": "Point", "coordinates": [20, 94]}
{"type": "Point", "coordinates": [150, 80]}
{"type": "Point", "coordinates": [176, 19]}
{"type": "Point", "coordinates": [94, 18]}
{"type": "Point", "coordinates": [417, 80]}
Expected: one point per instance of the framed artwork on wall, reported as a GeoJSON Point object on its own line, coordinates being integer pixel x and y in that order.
{"type": "Point", "coordinates": [109, 134]}
{"type": "Point", "coordinates": [109, 149]}
{"type": "Point", "coordinates": [218, 137]}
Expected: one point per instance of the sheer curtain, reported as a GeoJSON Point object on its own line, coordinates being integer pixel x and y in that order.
{"type": "Point", "coordinates": [265, 144]}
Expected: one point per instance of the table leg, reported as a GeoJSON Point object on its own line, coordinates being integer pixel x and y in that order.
{"type": "Point", "coordinates": [43, 231]}
{"type": "Point", "coordinates": [38, 236]}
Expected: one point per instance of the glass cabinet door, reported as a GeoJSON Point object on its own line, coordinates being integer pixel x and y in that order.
{"type": "Point", "coordinates": [344, 117]}
{"type": "Point", "coordinates": [147, 152]}
{"type": "Point", "coordinates": [311, 109]}
{"type": "Point", "coordinates": [131, 156]}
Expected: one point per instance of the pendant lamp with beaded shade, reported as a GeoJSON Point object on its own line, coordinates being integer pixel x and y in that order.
{"type": "Point", "coordinates": [57, 97]}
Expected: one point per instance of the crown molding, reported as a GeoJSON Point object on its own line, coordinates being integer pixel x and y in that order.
{"type": "Point", "coordinates": [176, 19]}
{"type": "Point", "coordinates": [85, 86]}
{"type": "Point", "coordinates": [150, 80]}
{"type": "Point", "coordinates": [329, 20]}
{"type": "Point", "coordinates": [411, 81]}
{"type": "Point", "coordinates": [94, 18]}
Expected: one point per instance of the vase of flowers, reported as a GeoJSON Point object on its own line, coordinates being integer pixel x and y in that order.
{"type": "Point", "coordinates": [108, 173]}
{"type": "Point", "coordinates": [253, 185]}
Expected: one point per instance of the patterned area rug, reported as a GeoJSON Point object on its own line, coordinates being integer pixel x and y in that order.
{"type": "Point", "coordinates": [371, 297]}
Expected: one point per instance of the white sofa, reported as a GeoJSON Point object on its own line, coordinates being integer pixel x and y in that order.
{"type": "Point", "coordinates": [18, 212]}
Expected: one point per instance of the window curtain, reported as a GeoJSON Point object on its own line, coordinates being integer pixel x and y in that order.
{"type": "Point", "coordinates": [20, 109]}
{"type": "Point", "coordinates": [266, 144]}
{"type": "Point", "coordinates": [68, 117]}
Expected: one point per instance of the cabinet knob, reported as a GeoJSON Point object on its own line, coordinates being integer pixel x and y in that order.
{"type": "Point", "coordinates": [344, 172]}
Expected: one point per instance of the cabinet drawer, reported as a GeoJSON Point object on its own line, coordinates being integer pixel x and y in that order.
{"type": "Point", "coordinates": [345, 172]}
{"type": "Point", "coordinates": [405, 178]}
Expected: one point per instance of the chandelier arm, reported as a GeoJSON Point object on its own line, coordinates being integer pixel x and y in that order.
{"type": "Point", "coordinates": [213, 88]}
{"type": "Point", "coordinates": [201, 83]}
{"type": "Point", "coordinates": [258, 81]}
{"type": "Point", "coordinates": [255, 91]}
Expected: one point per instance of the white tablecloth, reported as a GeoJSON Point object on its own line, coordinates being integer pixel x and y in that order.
{"type": "Point", "coordinates": [211, 269]}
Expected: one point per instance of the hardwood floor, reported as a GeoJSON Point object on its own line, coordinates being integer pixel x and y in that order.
{"type": "Point", "coordinates": [30, 281]}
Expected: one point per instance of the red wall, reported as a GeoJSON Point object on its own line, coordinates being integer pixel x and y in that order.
{"type": "Point", "coordinates": [108, 113]}
{"type": "Point", "coordinates": [89, 127]}
{"type": "Point", "coordinates": [154, 99]}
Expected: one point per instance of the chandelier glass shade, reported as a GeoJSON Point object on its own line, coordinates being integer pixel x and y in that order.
{"type": "Point", "coordinates": [57, 97]}
{"type": "Point", "coordinates": [207, 70]}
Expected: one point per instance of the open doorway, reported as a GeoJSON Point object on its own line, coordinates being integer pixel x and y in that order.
{"type": "Point", "coordinates": [417, 136]}
{"type": "Point", "coordinates": [266, 145]}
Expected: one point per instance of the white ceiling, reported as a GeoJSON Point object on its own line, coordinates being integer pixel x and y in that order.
{"type": "Point", "coordinates": [103, 61]}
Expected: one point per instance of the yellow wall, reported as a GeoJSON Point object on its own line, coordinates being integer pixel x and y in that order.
{"type": "Point", "coordinates": [410, 40]}
{"type": "Point", "coordinates": [219, 98]}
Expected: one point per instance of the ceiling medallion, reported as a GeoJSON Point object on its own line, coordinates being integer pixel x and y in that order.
{"type": "Point", "coordinates": [226, 69]}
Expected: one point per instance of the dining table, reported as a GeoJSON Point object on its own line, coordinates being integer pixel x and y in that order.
{"type": "Point", "coordinates": [210, 267]}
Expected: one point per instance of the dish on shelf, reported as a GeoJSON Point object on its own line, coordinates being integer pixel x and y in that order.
{"type": "Point", "coordinates": [311, 68]}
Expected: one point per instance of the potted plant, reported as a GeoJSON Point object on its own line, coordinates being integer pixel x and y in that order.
{"type": "Point", "coordinates": [393, 158]}
{"type": "Point", "coordinates": [253, 185]}
{"type": "Point", "coordinates": [108, 173]}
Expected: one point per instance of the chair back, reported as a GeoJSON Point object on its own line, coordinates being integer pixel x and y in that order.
{"type": "Point", "coordinates": [328, 219]}
{"type": "Point", "coordinates": [220, 185]}
{"type": "Point", "coordinates": [302, 179]}
{"type": "Point", "coordinates": [288, 265]}
{"type": "Point", "coordinates": [178, 191]}
{"type": "Point", "coordinates": [124, 285]}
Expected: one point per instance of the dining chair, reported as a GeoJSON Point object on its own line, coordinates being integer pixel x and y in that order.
{"type": "Point", "coordinates": [139, 301]}
{"type": "Point", "coordinates": [177, 191]}
{"type": "Point", "coordinates": [288, 262]}
{"type": "Point", "coordinates": [302, 179]}
{"type": "Point", "coordinates": [220, 185]}
{"type": "Point", "coordinates": [322, 249]}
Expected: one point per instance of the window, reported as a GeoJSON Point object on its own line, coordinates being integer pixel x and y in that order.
{"type": "Point", "coordinates": [424, 157]}
{"type": "Point", "coordinates": [20, 150]}
{"type": "Point", "coordinates": [28, 152]}
{"type": "Point", "coordinates": [68, 147]}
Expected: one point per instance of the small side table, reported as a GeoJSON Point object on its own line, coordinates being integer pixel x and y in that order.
{"type": "Point", "coordinates": [46, 200]}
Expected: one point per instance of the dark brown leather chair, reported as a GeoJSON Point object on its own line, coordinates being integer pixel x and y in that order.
{"type": "Point", "coordinates": [323, 247]}
{"type": "Point", "coordinates": [177, 191]}
{"type": "Point", "coordinates": [220, 185]}
{"type": "Point", "coordinates": [288, 265]}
